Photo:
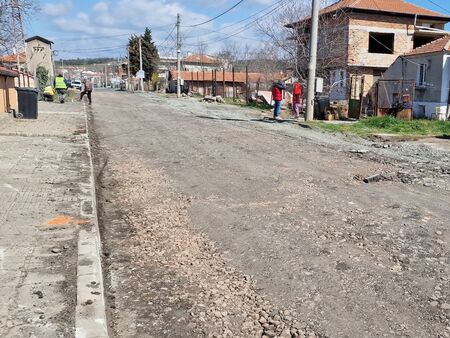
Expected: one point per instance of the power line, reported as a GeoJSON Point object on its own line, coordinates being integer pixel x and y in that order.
{"type": "Point", "coordinates": [245, 19]}
{"type": "Point", "coordinates": [96, 37]}
{"type": "Point", "coordinates": [220, 31]}
{"type": "Point", "coordinates": [167, 38]}
{"type": "Point", "coordinates": [245, 27]}
{"type": "Point", "coordinates": [437, 5]}
{"type": "Point", "coordinates": [217, 16]}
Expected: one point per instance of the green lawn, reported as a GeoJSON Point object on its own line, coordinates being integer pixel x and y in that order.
{"type": "Point", "coordinates": [389, 125]}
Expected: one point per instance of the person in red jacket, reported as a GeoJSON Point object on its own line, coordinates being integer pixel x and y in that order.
{"type": "Point", "coordinates": [277, 96]}
{"type": "Point", "coordinates": [297, 100]}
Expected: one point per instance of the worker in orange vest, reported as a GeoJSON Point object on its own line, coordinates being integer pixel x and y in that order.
{"type": "Point", "coordinates": [297, 100]}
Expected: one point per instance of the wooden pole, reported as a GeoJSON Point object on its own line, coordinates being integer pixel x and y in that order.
{"type": "Point", "coordinates": [234, 87]}
{"type": "Point", "coordinates": [223, 84]}
{"type": "Point", "coordinates": [246, 85]}
{"type": "Point", "coordinates": [204, 84]}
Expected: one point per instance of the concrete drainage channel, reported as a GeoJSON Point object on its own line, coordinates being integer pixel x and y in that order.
{"type": "Point", "coordinates": [90, 315]}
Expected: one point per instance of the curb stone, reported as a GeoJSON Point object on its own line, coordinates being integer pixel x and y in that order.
{"type": "Point", "coordinates": [90, 314]}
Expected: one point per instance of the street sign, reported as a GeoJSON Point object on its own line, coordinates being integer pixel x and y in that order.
{"type": "Point", "coordinates": [140, 74]}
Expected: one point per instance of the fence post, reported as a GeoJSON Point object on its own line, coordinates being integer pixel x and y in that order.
{"type": "Point", "coordinates": [234, 87]}
{"type": "Point", "coordinates": [204, 83]}
{"type": "Point", "coordinates": [246, 85]}
{"type": "Point", "coordinates": [223, 83]}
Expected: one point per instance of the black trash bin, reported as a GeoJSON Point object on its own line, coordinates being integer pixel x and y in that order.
{"type": "Point", "coordinates": [321, 104]}
{"type": "Point", "coordinates": [28, 103]}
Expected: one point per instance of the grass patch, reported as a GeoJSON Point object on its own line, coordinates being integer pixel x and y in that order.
{"type": "Point", "coordinates": [254, 105]}
{"type": "Point", "coordinates": [389, 125]}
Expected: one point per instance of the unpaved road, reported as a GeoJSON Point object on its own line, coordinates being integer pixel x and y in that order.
{"type": "Point", "coordinates": [216, 223]}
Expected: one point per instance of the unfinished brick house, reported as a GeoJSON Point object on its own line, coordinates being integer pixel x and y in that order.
{"type": "Point", "coordinates": [360, 39]}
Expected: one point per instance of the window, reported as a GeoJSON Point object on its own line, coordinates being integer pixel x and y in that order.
{"type": "Point", "coordinates": [381, 43]}
{"type": "Point", "coordinates": [422, 40]}
{"type": "Point", "coordinates": [338, 78]}
{"type": "Point", "coordinates": [421, 75]}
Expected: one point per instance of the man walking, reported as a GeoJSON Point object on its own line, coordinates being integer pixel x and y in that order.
{"type": "Point", "coordinates": [277, 96]}
{"type": "Point", "coordinates": [87, 89]}
{"type": "Point", "coordinates": [61, 87]}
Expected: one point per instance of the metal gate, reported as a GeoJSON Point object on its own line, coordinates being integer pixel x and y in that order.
{"type": "Point", "coordinates": [356, 95]}
{"type": "Point", "coordinates": [395, 98]}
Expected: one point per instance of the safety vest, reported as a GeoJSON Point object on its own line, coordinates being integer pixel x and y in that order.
{"type": "Point", "coordinates": [59, 83]}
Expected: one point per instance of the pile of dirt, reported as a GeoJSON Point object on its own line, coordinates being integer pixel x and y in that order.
{"type": "Point", "coordinates": [184, 285]}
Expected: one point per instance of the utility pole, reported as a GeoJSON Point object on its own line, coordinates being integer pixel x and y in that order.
{"type": "Point", "coordinates": [179, 58]}
{"type": "Point", "coordinates": [140, 64]}
{"type": "Point", "coordinates": [128, 70]}
{"type": "Point", "coordinates": [312, 60]}
{"type": "Point", "coordinates": [106, 75]}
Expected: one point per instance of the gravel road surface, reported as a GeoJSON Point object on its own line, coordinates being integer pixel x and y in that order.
{"type": "Point", "coordinates": [219, 223]}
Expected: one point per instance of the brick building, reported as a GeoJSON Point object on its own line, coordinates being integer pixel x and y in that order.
{"type": "Point", "coordinates": [372, 34]}
{"type": "Point", "coordinates": [8, 93]}
{"type": "Point", "coordinates": [225, 83]}
{"type": "Point", "coordinates": [198, 62]}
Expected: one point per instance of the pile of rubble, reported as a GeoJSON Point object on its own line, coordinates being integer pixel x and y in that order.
{"type": "Point", "coordinates": [223, 302]}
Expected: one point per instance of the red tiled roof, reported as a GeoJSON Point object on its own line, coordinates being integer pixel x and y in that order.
{"type": "Point", "coordinates": [439, 45]}
{"type": "Point", "coordinates": [8, 72]}
{"type": "Point", "coordinates": [197, 58]}
{"type": "Point", "coordinates": [13, 58]}
{"type": "Point", "coordinates": [389, 6]}
{"type": "Point", "coordinates": [238, 76]}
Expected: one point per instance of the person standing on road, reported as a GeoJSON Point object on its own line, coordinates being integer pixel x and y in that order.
{"type": "Point", "coordinates": [277, 96]}
{"type": "Point", "coordinates": [297, 99]}
{"type": "Point", "coordinates": [61, 87]}
{"type": "Point", "coordinates": [87, 89]}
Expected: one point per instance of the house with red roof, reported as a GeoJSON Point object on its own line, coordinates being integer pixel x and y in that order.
{"type": "Point", "coordinates": [428, 66]}
{"type": "Point", "coordinates": [200, 62]}
{"type": "Point", "coordinates": [368, 35]}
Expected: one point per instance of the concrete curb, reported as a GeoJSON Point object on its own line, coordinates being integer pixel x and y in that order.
{"type": "Point", "coordinates": [90, 314]}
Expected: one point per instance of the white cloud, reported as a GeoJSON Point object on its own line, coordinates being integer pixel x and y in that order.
{"type": "Point", "coordinates": [123, 17]}
{"type": "Point", "coordinates": [57, 9]}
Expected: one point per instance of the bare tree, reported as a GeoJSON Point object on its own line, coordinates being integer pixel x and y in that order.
{"type": "Point", "coordinates": [235, 55]}
{"type": "Point", "coordinates": [202, 48]}
{"type": "Point", "coordinates": [289, 31]}
{"type": "Point", "coordinates": [13, 13]}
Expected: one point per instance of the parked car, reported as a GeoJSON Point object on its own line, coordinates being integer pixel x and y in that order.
{"type": "Point", "coordinates": [68, 83]}
{"type": "Point", "coordinates": [76, 84]}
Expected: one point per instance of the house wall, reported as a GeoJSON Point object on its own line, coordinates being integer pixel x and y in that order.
{"type": "Point", "coordinates": [360, 25]}
{"type": "Point", "coordinates": [199, 68]}
{"type": "Point", "coordinates": [429, 101]}
{"type": "Point", "coordinates": [445, 78]}
{"type": "Point", "coordinates": [7, 85]}
{"type": "Point", "coordinates": [39, 54]}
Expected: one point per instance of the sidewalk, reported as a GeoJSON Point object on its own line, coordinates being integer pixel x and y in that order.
{"type": "Point", "coordinates": [47, 203]}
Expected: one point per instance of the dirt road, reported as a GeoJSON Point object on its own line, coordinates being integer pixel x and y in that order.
{"type": "Point", "coordinates": [217, 223]}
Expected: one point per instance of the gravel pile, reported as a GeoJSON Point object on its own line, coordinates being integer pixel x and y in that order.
{"type": "Point", "coordinates": [221, 301]}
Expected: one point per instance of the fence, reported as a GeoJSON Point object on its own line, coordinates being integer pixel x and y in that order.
{"type": "Point", "coordinates": [395, 97]}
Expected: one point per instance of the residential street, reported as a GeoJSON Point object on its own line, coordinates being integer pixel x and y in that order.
{"type": "Point", "coordinates": [47, 224]}
{"type": "Point", "coordinates": [218, 223]}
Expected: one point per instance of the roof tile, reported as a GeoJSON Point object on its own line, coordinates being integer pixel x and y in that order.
{"type": "Point", "coordinates": [391, 6]}
{"type": "Point", "coordinates": [439, 45]}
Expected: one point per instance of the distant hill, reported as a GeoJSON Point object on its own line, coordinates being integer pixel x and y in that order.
{"type": "Point", "coordinates": [86, 61]}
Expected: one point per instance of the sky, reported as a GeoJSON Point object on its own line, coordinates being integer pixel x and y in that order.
{"type": "Point", "coordinates": [99, 28]}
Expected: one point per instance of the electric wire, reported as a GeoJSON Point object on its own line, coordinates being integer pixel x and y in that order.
{"type": "Point", "coordinates": [217, 16]}
{"type": "Point", "coordinates": [437, 5]}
